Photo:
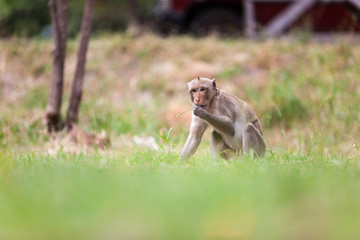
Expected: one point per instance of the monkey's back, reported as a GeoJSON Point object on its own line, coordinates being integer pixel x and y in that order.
{"type": "Point", "coordinates": [240, 113]}
{"type": "Point", "coordinates": [233, 102]}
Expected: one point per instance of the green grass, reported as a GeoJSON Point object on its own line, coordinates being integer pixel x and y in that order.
{"type": "Point", "coordinates": [149, 195]}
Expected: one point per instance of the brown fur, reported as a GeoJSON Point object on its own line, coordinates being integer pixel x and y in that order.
{"type": "Point", "coordinates": [236, 127]}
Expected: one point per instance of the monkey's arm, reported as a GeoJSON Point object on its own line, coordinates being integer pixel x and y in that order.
{"type": "Point", "coordinates": [220, 123]}
{"type": "Point", "coordinates": [197, 129]}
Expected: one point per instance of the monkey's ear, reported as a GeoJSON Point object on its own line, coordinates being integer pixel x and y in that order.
{"type": "Point", "coordinates": [214, 83]}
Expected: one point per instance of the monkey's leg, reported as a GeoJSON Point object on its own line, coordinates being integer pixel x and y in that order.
{"type": "Point", "coordinates": [252, 139]}
{"type": "Point", "coordinates": [219, 147]}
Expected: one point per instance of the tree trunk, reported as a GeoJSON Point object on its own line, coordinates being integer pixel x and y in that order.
{"type": "Point", "coordinates": [58, 13]}
{"type": "Point", "coordinates": [76, 93]}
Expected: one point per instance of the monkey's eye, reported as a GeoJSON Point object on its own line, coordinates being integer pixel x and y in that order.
{"type": "Point", "coordinates": [202, 89]}
{"type": "Point", "coordinates": [193, 90]}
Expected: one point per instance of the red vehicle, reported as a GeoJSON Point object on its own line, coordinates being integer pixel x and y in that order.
{"type": "Point", "coordinates": [228, 16]}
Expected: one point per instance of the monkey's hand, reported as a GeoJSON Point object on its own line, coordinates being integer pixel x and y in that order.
{"type": "Point", "coordinates": [200, 112]}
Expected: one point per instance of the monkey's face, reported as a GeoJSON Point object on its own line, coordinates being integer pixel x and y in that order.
{"type": "Point", "coordinates": [199, 96]}
{"type": "Point", "coordinates": [202, 91]}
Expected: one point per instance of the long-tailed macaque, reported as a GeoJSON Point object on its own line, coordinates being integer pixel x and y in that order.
{"type": "Point", "coordinates": [236, 127]}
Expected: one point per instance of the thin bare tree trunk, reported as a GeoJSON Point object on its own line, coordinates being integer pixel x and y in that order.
{"type": "Point", "coordinates": [58, 13]}
{"type": "Point", "coordinates": [76, 93]}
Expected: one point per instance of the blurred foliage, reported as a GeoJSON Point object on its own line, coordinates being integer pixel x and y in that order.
{"type": "Point", "coordinates": [29, 18]}
{"type": "Point", "coordinates": [287, 106]}
{"type": "Point", "coordinates": [22, 17]}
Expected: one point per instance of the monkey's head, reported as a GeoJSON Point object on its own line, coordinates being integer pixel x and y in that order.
{"type": "Point", "coordinates": [202, 91]}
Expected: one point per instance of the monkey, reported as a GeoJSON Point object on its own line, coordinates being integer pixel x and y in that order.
{"type": "Point", "coordinates": [236, 128]}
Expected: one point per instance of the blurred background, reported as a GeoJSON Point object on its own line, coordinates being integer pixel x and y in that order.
{"type": "Point", "coordinates": [295, 62]}
{"type": "Point", "coordinates": [31, 18]}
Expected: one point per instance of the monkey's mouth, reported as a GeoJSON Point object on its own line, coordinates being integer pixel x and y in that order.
{"type": "Point", "coordinates": [198, 105]}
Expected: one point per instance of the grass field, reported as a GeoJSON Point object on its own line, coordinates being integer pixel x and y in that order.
{"type": "Point", "coordinates": [305, 93]}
